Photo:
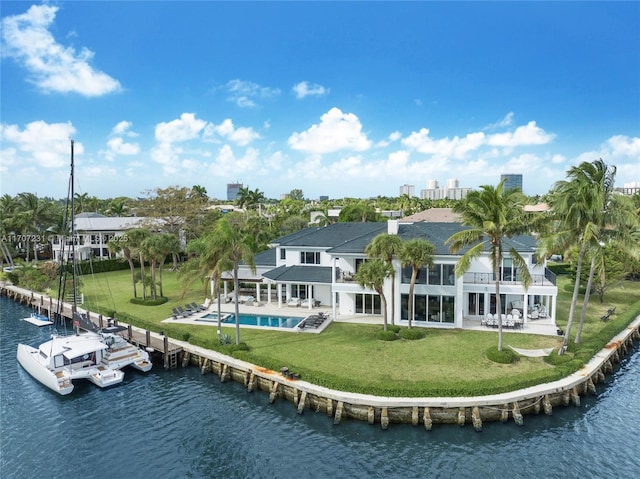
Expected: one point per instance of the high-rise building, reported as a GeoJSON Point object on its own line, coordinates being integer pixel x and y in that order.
{"type": "Point", "coordinates": [452, 190]}
{"type": "Point", "coordinates": [408, 190]}
{"type": "Point", "coordinates": [513, 181]}
{"type": "Point", "coordinates": [232, 191]}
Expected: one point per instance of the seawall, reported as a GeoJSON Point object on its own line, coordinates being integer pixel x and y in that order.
{"type": "Point", "coordinates": [425, 411]}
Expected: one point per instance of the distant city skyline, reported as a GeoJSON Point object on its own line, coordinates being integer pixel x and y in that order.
{"type": "Point", "coordinates": [337, 99]}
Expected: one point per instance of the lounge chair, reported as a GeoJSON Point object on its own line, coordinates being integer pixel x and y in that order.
{"type": "Point", "coordinates": [314, 302]}
{"type": "Point", "coordinates": [183, 312]}
{"type": "Point", "coordinates": [293, 302]}
{"type": "Point", "coordinates": [196, 307]}
{"type": "Point", "coordinates": [177, 314]}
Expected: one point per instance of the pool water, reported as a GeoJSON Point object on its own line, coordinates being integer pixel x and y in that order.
{"type": "Point", "coordinates": [255, 320]}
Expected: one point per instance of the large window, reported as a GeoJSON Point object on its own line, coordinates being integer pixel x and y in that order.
{"type": "Point", "coordinates": [309, 257]}
{"type": "Point", "coordinates": [429, 308]}
{"type": "Point", "coordinates": [420, 279]}
{"type": "Point", "coordinates": [439, 274]}
{"type": "Point", "coordinates": [368, 304]}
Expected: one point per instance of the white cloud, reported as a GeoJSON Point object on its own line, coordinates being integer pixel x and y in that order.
{"type": "Point", "coordinates": [245, 93]}
{"type": "Point", "coordinates": [395, 136]}
{"type": "Point", "coordinates": [506, 121]}
{"type": "Point", "coordinates": [40, 144]}
{"type": "Point", "coordinates": [455, 147]}
{"type": "Point", "coordinates": [241, 136]}
{"type": "Point", "coordinates": [336, 131]}
{"type": "Point", "coordinates": [52, 66]}
{"type": "Point", "coordinates": [123, 128]}
{"type": "Point", "coordinates": [621, 145]}
{"type": "Point", "coordinates": [117, 146]}
{"type": "Point", "coordinates": [304, 89]}
{"type": "Point", "coordinates": [227, 164]}
{"type": "Point", "coordinates": [187, 127]}
{"type": "Point", "coordinates": [530, 134]}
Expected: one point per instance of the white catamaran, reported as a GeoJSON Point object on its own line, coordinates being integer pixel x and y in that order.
{"type": "Point", "coordinates": [96, 355]}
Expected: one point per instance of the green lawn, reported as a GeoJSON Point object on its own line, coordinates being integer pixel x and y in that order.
{"type": "Point", "coordinates": [349, 357]}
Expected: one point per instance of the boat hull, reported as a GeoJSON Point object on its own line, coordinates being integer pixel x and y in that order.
{"type": "Point", "coordinates": [59, 381]}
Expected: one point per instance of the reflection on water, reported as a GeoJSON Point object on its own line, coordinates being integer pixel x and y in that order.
{"type": "Point", "coordinates": [182, 424]}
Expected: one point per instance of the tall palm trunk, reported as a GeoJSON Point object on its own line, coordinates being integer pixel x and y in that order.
{"type": "Point", "coordinates": [586, 300]}
{"type": "Point", "coordinates": [496, 275]}
{"type": "Point", "coordinates": [218, 281]}
{"type": "Point", "coordinates": [144, 287]}
{"type": "Point", "coordinates": [574, 299]}
{"type": "Point", "coordinates": [393, 297]}
{"type": "Point", "coordinates": [414, 275]}
{"type": "Point", "coordinates": [236, 288]}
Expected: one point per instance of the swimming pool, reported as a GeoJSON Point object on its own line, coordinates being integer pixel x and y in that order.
{"type": "Point", "coordinates": [261, 320]}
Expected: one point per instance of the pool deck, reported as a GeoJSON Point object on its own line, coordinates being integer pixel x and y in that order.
{"type": "Point", "coordinates": [540, 326]}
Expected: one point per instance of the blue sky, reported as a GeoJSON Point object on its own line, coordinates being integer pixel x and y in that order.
{"type": "Point", "coordinates": [333, 98]}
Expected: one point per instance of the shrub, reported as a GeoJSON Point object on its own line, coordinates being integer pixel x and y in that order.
{"type": "Point", "coordinates": [413, 333]}
{"type": "Point", "coordinates": [225, 340]}
{"type": "Point", "coordinates": [394, 327]}
{"type": "Point", "coordinates": [506, 356]}
{"type": "Point", "coordinates": [149, 302]}
{"type": "Point", "coordinates": [386, 335]}
{"type": "Point", "coordinates": [554, 359]}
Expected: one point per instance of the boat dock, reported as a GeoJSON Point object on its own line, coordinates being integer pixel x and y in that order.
{"type": "Point", "coordinates": [155, 343]}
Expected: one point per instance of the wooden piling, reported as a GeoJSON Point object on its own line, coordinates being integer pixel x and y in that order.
{"type": "Point", "coordinates": [303, 397]}
{"type": "Point", "coordinates": [371, 415]}
{"type": "Point", "coordinates": [461, 416]}
{"type": "Point", "coordinates": [384, 418]}
{"type": "Point", "coordinates": [517, 415]}
{"type": "Point", "coordinates": [414, 416]}
{"type": "Point", "coordinates": [252, 382]}
{"type": "Point", "coordinates": [426, 419]}
{"type": "Point", "coordinates": [338, 416]}
{"type": "Point", "coordinates": [475, 418]}
{"type": "Point", "coordinates": [575, 397]}
{"type": "Point", "coordinates": [274, 392]}
{"type": "Point", "coordinates": [546, 404]}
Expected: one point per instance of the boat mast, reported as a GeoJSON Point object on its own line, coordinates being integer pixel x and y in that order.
{"type": "Point", "coordinates": [73, 245]}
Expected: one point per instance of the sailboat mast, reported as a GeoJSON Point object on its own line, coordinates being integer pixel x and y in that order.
{"type": "Point", "coordinates": [73, 242]}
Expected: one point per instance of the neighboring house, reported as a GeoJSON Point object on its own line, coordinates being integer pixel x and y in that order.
{"type": "Point", "coordinates": [93, 233]}
{"type": "Point", "coordinates": [320, 262]}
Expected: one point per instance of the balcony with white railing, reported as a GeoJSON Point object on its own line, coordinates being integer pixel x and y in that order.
{"type": "Point", "coordinates": [546, 279]}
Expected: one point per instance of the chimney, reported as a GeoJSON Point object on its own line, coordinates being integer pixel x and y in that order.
{"type": "Point", "coordinates": [392, 227]}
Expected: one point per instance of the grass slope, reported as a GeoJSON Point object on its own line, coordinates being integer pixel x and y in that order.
{"type": "Point", "coordinates": [348, 356]}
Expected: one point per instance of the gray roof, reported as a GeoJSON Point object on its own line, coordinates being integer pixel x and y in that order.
{"type": "Point", "coordinates": [332, 235]}
{"type": "Point", "coordinates": [353, 238]}
{"type": "Point", "coordinates": [300, 274]}
{"type": "Point", "coordinates": [265, 258]}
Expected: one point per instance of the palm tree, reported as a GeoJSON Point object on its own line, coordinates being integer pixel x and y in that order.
{"type": "Point", "coordinates": [416, 252]}
{"type": "Point", "coordinates": [590, 214]}
{"type": "Point", "coordinates": [207, 264]}
{"type": "Point", "coordinates": [385, 247]}
{"type": "Point", "coordinates": [135, 239]}
{"type": "Point", "coordinates": [163, 245]}
{"type": "Point", "coordinates": [35, 217]}
{"type": "Point", "coordinates": [372, 274]}
{"type": "Point", "coordinates": [492, 215]}
{"type": "Point", "coordinates": [115, 246]}
{"type": "Point", "coordinates": [234, 246]}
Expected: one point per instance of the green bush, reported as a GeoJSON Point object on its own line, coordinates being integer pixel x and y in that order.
{"type": "Point", "coordinates": [149, 302]}
{"type": "Point", "coordinates": [394, 327]}
{"type": "Point", "coordinates": [225, 340]}
{"type": "Point", "coordinates": [506, 356]}
{"type": "Point", "coordinates": [413, 333]}
{"type": "Point", "coordinates": [554, 359]}
{"type": "Point", "coordinates": [386, 335]}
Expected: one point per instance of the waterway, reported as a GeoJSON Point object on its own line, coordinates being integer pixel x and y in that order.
{"type": "Point", "coordinates": [180, 424]}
